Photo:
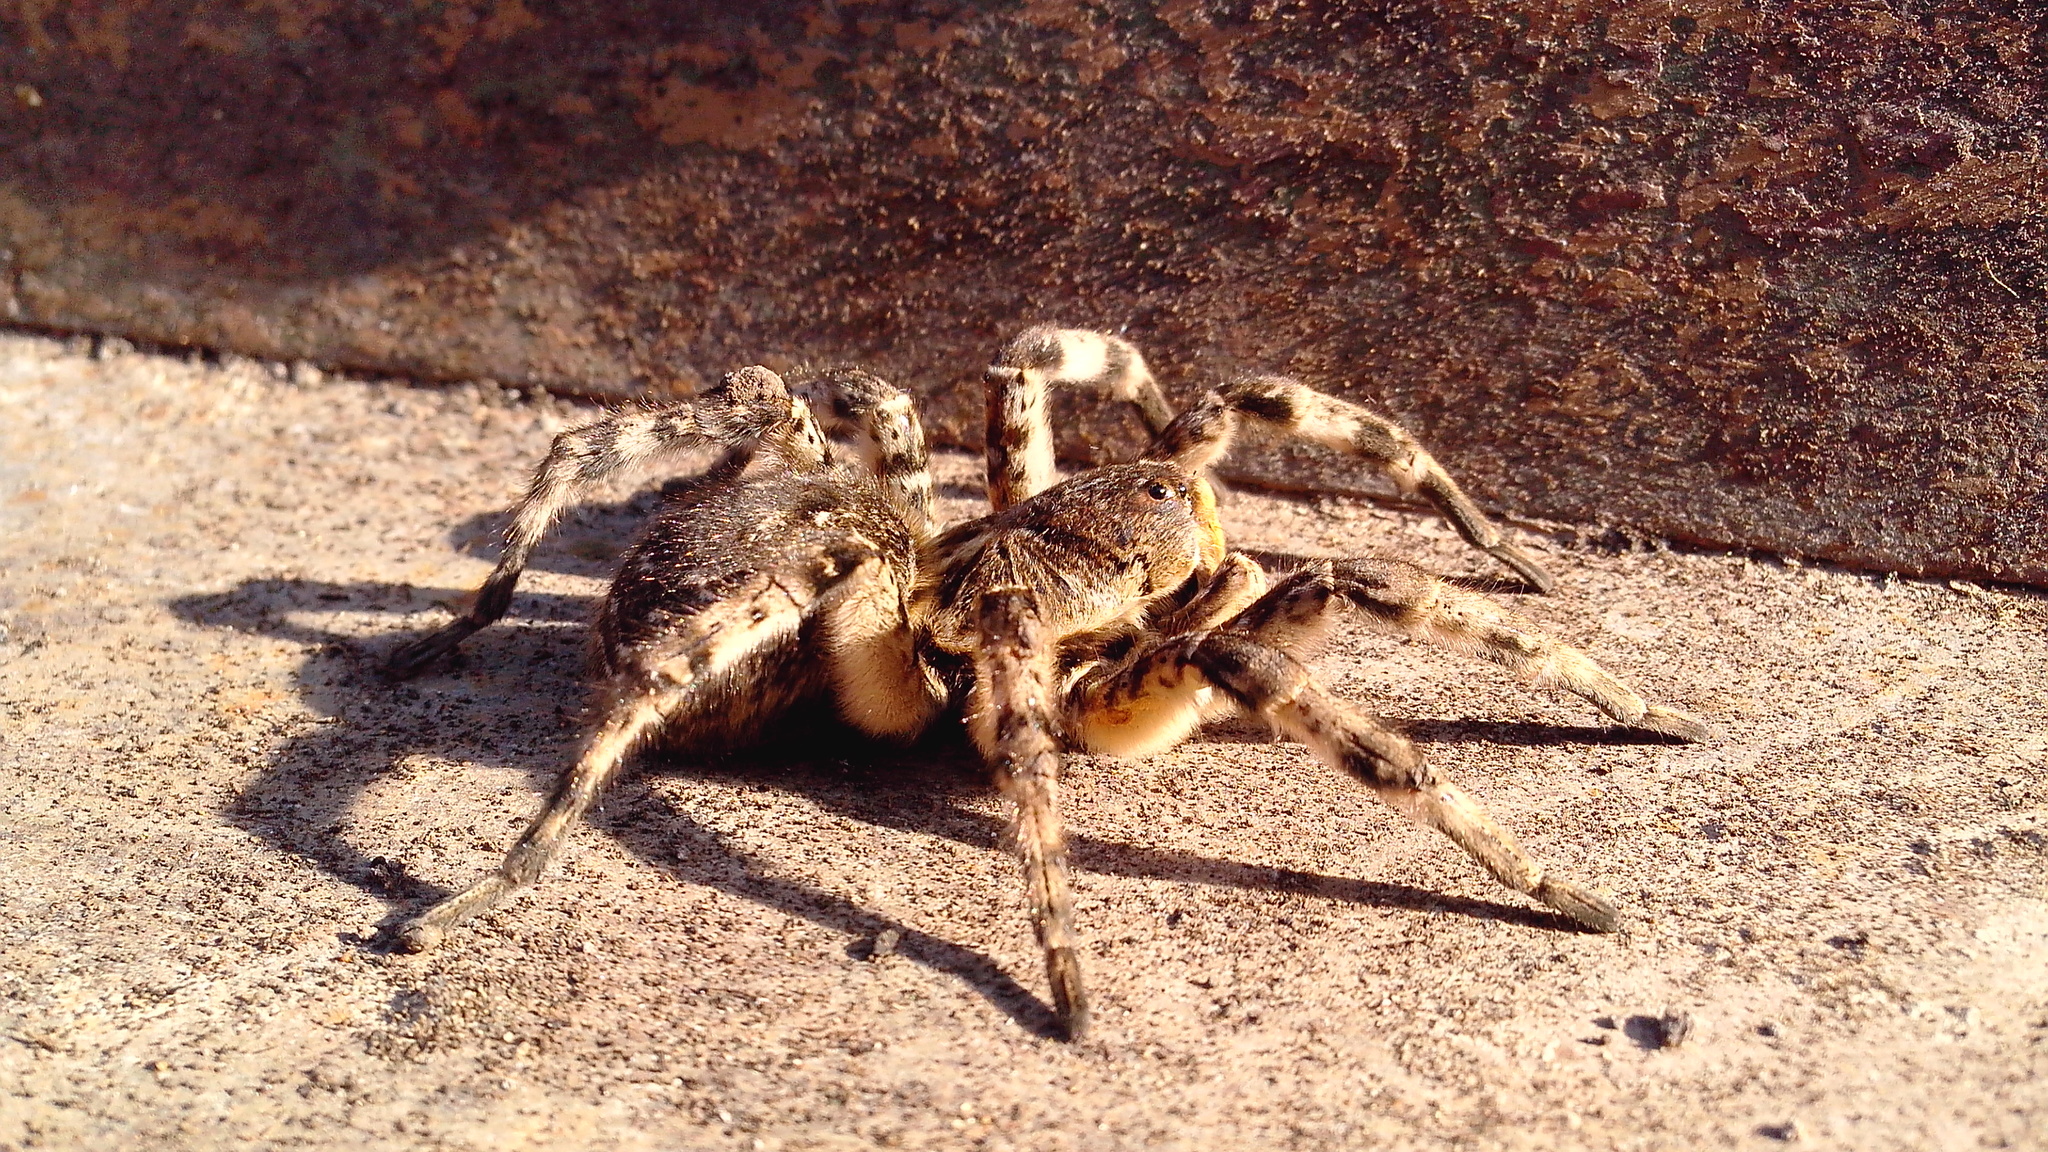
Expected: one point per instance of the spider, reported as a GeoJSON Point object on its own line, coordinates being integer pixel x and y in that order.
{"type": "Point", "coordinates": [1100, 613]}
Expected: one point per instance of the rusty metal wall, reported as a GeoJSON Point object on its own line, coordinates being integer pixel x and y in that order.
{"type": "Point", "coordinates": [1738, 273]}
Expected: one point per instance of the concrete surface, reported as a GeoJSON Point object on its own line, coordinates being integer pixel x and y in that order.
{"type": "Point", "coordinates": [209, 802]}
{"type": "Point", "coordinates": [1750, 273]}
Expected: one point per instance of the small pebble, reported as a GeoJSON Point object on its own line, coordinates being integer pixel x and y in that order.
{"type": "Point", "coordinates": [1676, 1026]}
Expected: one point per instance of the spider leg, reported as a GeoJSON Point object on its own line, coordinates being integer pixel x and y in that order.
{"type": "Point", "coordinates": [699, 675]}
{"type": "Point", "coordinates": [749, 411]}
{"type": "Point", "coordinates": [1154, 700]}
{"type": "Point", "coordinates": [889, 439]}
{"type": "Point", "coordinates": [1401, 599]}
{"type": "Point", "coordinates": [661, 697]}
{"type": "Point", "coordinates": [1011, 716]}
{"type": "Point", "coordinates": [1201, 435]}
{"type": "Point", "coordinates": [1114, 709]}
{"type": "Point", "coordinates": [1020, 459]}
{"type": "Point", "coordinates": [630, 722]}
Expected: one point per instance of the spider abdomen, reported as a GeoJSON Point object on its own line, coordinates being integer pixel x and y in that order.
{"type": "Point", "coordinates": [737, 586]}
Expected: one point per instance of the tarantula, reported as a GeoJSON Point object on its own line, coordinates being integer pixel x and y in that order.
{"type": "Point", "coordinates": [1101, 613]}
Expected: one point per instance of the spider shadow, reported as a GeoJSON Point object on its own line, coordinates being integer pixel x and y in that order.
{"type": "Point", "coordinates": [588, 538]}
{"type": "Point", "coordinates": [918, 790]}
{"type": "Point", "coordinates": [501, 702]}
{"type": "Point", "coordinates": [1280, 563]}
{"type": "Point", "coordinates": [504, 701]}
{"type": "Point", "coordinates": [1523, 734]}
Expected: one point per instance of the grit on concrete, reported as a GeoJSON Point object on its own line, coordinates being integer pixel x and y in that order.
{"type": "Point", "coordinates": [212, 802]}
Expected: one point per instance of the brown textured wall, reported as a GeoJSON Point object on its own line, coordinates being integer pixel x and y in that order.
{"type": "Point", "coordinates": [1744, 274]}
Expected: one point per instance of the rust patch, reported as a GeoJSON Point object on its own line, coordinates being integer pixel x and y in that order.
{"type": "Point", "coordinates": [1617, 95]}
{"type": "Point", "coordinates": [1974, 193]}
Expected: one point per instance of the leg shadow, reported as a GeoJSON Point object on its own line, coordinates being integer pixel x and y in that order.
{"type": "Point", "coordinates": [692, 852]}
{"type": "Point", "coordinates": [305, 799]}
{"type": "Point", "coordinates": [1525, 734]}
{"type": "Point", "coordinates": [919, 792]}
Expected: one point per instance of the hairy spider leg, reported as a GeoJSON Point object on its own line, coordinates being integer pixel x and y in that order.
{"type": "Point", "coordinates": [1154, 699]}
{"type": "Point", "coordinates": [888, 438]}
{"type": "Point", "coordinates": [1203, 434]}
{"type": "Point", "coordinates": [749, 412]}
{"type": "Point", "coordinates": [714, 663]}
{"type": "Point", "coordinates": [629, 723]}
{"type": "Point", "coordinates": [1011, 716]}
{"type": "Point", "coordinates": [1396, 598]}
{"type": "Point", "coordinates": [654, 695]}
{"type": "Point", "coordinates": [1020, 448]}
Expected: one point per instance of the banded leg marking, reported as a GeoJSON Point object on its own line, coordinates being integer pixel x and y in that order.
{"type": "Point", "coordinates": [1201, 435]}
{"type": "Point", "coordinates": [1020, 449]}
{"type": "Point", "coordinates": [1010, 719]}
{"type": "Point", "coordinates": [750, 410]}
{"type": "Point", "coordinates": [1263, 681]}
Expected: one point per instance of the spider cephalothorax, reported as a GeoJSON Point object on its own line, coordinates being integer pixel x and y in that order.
{"type": "Point", "coordinates": [1103, 613]}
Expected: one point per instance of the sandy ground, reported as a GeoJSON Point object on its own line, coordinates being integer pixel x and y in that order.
{"type": "Point", "coordinates": [211, 802]}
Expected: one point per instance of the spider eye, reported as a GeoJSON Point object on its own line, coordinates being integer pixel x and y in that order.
{"type": "Point", "coordinates": [1158, 491]}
